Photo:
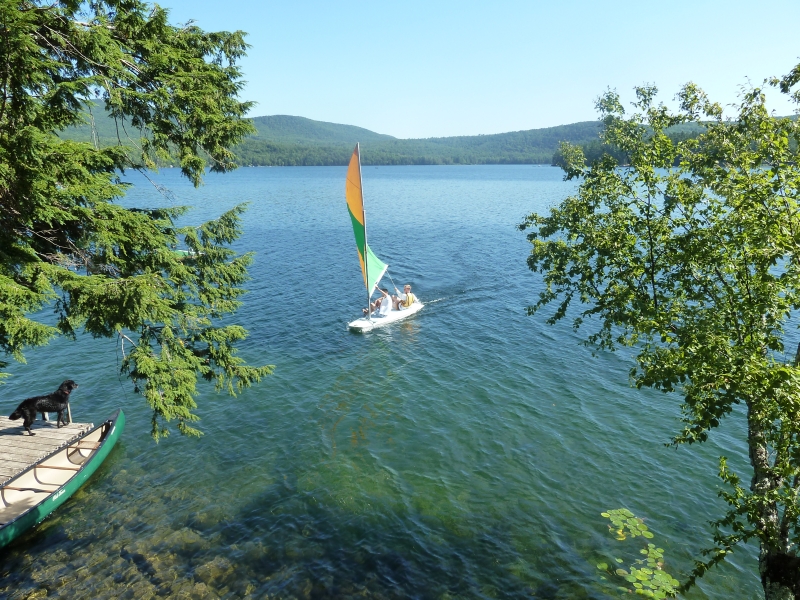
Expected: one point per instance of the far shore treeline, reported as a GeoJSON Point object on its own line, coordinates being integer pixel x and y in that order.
{"type": "Point", "coordinates": [283, 140]}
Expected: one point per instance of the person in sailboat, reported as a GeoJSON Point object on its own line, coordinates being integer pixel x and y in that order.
{"type": "Point", "coordinates": [404, 299]}
{"type": "Point", "coordinates": [382, 305]}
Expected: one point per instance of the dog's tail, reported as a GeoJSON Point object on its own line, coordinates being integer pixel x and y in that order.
{"type": "Point", "coordinates": [15, 415]}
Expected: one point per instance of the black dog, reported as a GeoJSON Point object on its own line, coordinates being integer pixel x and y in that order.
{"type": "Point", "coordinates": [55, 402]}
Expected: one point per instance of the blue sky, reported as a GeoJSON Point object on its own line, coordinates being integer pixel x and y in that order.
{"type": "Point", "coordinates": [441, 68]}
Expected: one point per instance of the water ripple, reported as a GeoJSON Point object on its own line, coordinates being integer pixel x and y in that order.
{"type": "Point", "coordinates": [466, 452]}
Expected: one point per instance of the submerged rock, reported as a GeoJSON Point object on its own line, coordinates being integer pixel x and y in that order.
{"type": "Point", "coordinates": [214, 571]}
{"type": "Point", "coordinates": [185, 537]}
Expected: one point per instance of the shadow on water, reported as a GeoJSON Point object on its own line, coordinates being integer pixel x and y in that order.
{"type": "Point", "coordinates": [347, 526]}
{"type": "Point", "coordinates": [290, 542]}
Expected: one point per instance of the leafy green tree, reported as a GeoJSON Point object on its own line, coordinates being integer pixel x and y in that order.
{"type": "Point", "coordinates": [64, 240]}
{"type": "Point", "coordinates": [691, 257]}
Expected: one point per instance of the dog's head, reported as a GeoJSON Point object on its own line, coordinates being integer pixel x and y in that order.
{"type": "Point", "coordinates": [67, 387]}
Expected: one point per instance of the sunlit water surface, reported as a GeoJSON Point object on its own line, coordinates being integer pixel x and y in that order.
{"type": "Point", "coordinates": [465, 453]}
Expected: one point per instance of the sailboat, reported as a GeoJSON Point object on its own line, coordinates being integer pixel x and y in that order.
{"type": "Point", "coordinates": [372, 267]}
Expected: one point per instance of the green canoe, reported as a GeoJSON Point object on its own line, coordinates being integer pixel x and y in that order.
{"type": "Point", "coordinates": [27, 498]}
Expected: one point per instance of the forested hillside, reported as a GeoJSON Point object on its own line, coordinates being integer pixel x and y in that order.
{"type": "Point", "coordinates": [296, 141]}
{"type": "Point", "coordinates": [294, 130]}
{"type": "Point", "coordinates": [284, 140]}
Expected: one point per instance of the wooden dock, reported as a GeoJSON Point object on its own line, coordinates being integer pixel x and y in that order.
{"type": "Point", "coordinates": [18, 450]}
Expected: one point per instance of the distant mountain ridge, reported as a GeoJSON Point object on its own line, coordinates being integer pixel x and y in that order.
{"type": "Point", "coordinates": [284, 140]}
{"type": "Point", "coordinates": [286, 128]}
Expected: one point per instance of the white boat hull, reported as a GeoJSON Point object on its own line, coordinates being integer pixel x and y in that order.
{"type": "Point", "coordinates": [363, 324]}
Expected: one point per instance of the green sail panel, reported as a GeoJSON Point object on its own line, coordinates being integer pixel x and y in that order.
{"type": "Point", "coordinates": [375, 266]}
{"type": "Point", "coordinates": [375, 270]}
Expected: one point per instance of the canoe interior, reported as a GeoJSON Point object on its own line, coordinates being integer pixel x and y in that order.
{"type": "Point", "coordinates": [34, 485]}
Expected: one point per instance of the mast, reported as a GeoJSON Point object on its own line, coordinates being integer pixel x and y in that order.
{"type": "Point", "coordinates": [354, 194]}
{"type": "Point", "coordinates": [364, 216]}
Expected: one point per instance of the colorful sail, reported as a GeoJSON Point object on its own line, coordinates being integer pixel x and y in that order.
{"type": "Point", "coordinates": [372, 268]}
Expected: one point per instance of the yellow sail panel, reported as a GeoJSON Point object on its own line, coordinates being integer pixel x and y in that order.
{"type": "Point", "coordinates": [352, 188]}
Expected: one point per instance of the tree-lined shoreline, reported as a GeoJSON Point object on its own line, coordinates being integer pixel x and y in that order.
{"type": "Point", "coordinates": [289, 141]}
{"type": "Point", "coordinates": [283, 140]}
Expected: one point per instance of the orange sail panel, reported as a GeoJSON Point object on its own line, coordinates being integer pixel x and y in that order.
{"type": "Point", "coordinates": [372, 268]}
{"type": "Point", "coordinates": [352, 188]}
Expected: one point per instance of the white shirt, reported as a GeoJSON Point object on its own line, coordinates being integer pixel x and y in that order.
{"type": "Point", "coordinates": [385, 307]}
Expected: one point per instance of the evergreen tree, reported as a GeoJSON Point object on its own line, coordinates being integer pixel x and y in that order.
{"type": "Point", "coordinates": [65, 241]}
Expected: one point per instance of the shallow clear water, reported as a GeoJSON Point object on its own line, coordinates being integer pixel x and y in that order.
{"type": "Point", "coordinates": [467, 452]}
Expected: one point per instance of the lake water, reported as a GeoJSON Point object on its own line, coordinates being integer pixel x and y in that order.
{"type": "Point", "coordinates": [467, 452]}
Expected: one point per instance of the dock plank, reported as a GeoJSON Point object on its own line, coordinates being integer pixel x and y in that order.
{"type": "Point", "coordinates": [18, 450]}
